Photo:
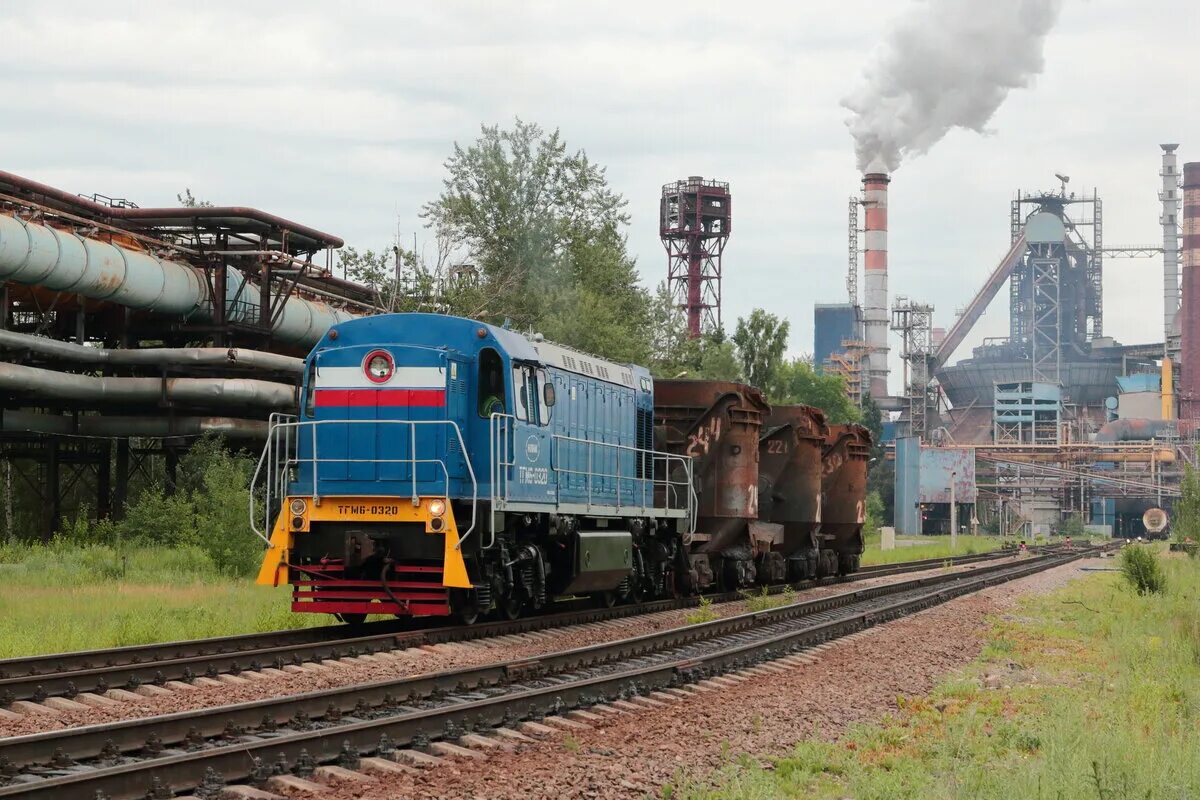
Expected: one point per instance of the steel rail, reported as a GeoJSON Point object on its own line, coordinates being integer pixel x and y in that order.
{"type": "Point", "coordinates": [67, 674]}
{"type": "Point", "coordinates": [199, 724]}
{"type": "Point", "coordinates": [345, 741]}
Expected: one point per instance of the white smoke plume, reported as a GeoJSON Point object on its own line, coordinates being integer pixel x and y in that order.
{"type": "Point", "coordinates": [946, 64]}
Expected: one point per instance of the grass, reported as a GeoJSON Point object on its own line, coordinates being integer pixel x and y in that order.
{"type": "Point", "coordinates": [704, 612]}
{"type": "Point", "coordinates": [763, 600]}
{"type": "Point", "coordinates": [1092, 691]}
{"type": "Point", "coordinates": [932, 547]}
{"type": "Point", "coordinates": [1142, 570]}
{"type": "Point", "coordinates": [62, 597]}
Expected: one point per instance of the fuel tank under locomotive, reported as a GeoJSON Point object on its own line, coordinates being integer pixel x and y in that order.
{"type": "Point", "coordinates": [844, 488]}
{"type": "Point", "coordinates": [789, 488]}
{"type": "Point", "coordinates": [717, 424]}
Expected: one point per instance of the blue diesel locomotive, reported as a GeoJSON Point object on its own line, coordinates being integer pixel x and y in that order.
{"type": "Point", "coordinates": [440, 466]}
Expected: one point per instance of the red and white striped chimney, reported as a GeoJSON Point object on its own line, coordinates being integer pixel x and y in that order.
{"type": "Point", "coordinates": [1189, 306]}
{"type": "Point", "coordinates": [875, 297]}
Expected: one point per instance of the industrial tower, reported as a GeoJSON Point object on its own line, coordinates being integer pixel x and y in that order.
{"type": "Point", "coordinates": [694, 222]}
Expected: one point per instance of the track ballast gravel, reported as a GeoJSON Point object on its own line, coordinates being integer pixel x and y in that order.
{"type": "Point", "coordinates": [413, 661]}
{"type": "Point", "coordinates": [633, 755]}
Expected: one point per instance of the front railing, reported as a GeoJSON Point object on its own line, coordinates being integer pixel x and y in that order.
{"type": "Point", "coordinates": [594, 458]}
{"type": "Point", "coordinates": [280, 464]}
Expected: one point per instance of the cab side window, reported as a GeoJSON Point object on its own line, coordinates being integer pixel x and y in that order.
{"type": "Point", "coordinates": [491, 383]}
{"type": "Point", "coordinates": [529, 405]}
{"type": "Point", "coordinates": [521, 407]}
{"type": "Point", "coordinates": [310, 389]}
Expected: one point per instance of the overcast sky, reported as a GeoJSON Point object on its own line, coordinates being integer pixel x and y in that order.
{"type": "Point", "coordinates": [341, 115]}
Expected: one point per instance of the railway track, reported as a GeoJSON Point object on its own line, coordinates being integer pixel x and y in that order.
{"type": "Point", "coordinates": [96, 671]}
{"type": "Point", "coordinates": [211, 747]}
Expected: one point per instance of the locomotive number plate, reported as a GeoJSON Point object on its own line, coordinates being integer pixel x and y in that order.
{"type": "Point", "coordinates": [356, 510]}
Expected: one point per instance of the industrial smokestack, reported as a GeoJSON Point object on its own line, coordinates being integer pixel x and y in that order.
{"type": "Point", "coordinates": [1169, 196]}
{"type": "Point", "coordinates": [875, 320]}
{"type": "Point", "coordinates": [1189, 309]}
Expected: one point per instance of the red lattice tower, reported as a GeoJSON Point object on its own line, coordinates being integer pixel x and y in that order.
{"type": "Point", "coordinates": [695, 220]}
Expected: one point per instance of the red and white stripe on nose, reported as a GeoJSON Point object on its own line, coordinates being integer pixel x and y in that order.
{"type": "Point", "coordinates": [407, 386]}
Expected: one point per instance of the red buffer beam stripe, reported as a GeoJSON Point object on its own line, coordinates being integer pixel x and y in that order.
{"type": "Point", "coordinates": [371, 398]}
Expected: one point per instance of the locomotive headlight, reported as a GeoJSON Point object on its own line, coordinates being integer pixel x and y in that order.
{"type": "Point", "coordinates": [297, 506]}
{"type": "Point", "coordinates": [437, 507]}
{"type": "Point", "coordinates": [379, 366]}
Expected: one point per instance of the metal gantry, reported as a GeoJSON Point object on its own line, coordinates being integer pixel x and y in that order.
{"type": "Point", "coordinates": [1046, 329]}
{"type": "Point", "coordinates": [914, 322]}
{"type": "Point", "coordinates": [695, 220]}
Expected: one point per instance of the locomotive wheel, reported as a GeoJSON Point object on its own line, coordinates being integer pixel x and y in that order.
{"type": "Point", "coordinates": [511, 607]}
{"type": "Point", "coordinates": [636, 592]}
{"type": "Point", "coordinates": [464, 605]}
{"type": "Point", "coordinates": [352, 619]}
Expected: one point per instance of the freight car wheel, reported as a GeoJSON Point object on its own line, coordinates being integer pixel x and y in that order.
{"type": "Point", "coordinates": [352, 619]}
{"type": "Point", "coordinates": [605, 599]}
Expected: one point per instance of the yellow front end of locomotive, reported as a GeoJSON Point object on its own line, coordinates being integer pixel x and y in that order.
{"type": "Point", "coordinates": [299, 513]}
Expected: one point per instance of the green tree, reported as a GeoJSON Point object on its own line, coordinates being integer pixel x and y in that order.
{"type": "Point", "coordinates": [1185, 514]}
{"type": "Point", "coordinates": [530, 214]}
{"type": "Point", "coordinates": [872, 420]}
{"type": "Point", "coordinates": [207, 510]}
{"type": "Point", "coordinates": [718, 358]}
{"type": "Point", "coordinates": [881, 473]}
{"type": "Point", "coordinates": [595, 302]}
{"type": "Point", "coordinates": [674, 353]}
{"type": "Point", "coordinates": [188, 200]}
{"type": "Point", "coordinates": [798, 382]}
{"type": "Point", "coordinates": [761, 340]}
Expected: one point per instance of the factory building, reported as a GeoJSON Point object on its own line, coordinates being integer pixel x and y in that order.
{"type": "Point", "coordinates": [836, 327]}
{"type": "Point", "coordinates": [1060, 418]}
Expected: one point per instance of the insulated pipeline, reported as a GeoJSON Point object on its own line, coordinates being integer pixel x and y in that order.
{"type": "Point", "coordinates": [39, 255]}
{"type": "Point", "coordinates": [54, 349]}
{"type": "Point", "coordinates": [42, 383]}
{"type": "Point", "coordinates": [114, 426]}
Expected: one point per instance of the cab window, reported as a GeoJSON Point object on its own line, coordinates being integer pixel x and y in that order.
{"type": "Point", "coordinates": [491, 383]}
{"type": "Point", "coordinates": [310, 389]}
{"type": "Point", "coordinates": [525, 395]}
{"type": "Point", "coordinates": [520, 377]}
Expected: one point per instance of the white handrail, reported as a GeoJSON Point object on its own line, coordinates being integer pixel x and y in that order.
{"type": "Point", "coordinates": [275, 472]}
{"type": "Point", "coordinates": [671, 488]}
{"type": "Point", "coordinates": [289, 432]}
